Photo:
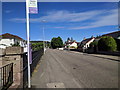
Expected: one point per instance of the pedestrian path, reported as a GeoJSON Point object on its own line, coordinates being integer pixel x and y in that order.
{"type": "Point", "coordinates": [116, 58]}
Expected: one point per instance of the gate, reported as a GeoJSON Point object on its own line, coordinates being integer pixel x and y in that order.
{"type": "Point", "coordinates": [6, 76]}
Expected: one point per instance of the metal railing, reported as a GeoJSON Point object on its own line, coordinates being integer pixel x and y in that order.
{"type": "Point", "coordinates": [6, 76]}
{"type": "Point", "coordinates": [36, 55]}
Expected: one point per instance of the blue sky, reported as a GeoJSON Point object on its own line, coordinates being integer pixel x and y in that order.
{"type": "Point", "coordinates": [64, 19]}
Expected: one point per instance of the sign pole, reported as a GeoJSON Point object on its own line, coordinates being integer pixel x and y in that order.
{"type": "Point", "coordinates": [28, 42]}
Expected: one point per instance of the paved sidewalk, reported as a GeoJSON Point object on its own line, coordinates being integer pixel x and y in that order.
{"type": "Point", "coordinates": [116, 58]}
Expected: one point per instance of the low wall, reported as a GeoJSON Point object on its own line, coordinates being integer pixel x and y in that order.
{"type": "Point", "coordinates": [2, 52]}
{"type": "Point", "coordinates": [14, 55]}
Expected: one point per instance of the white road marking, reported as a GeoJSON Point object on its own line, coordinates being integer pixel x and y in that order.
{"type": "Point", "coordinates": [42, 74]}
{"type": "Point", "coordinates": [77, 83]}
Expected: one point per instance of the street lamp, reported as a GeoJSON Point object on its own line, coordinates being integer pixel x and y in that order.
{"type": "Point", "coordinates": [43, 21]}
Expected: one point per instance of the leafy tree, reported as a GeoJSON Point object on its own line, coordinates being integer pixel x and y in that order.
{"type": "Point", "coordinates": [56, 42]}
{"type": "Point", "coordinates": [71, 39]}
{"type": "Point", "coordinates": [68, 39]}
{"type": "Point", "coordinates": [107, 43]}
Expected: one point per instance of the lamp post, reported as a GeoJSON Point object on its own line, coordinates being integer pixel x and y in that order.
{"type": "Point", "coordinates": [43, 21]}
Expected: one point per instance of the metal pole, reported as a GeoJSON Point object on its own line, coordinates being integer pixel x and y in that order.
{"type": "Point", "coordinates": [28, 42]}
{"type": "Point", "coordinates": [43, 40]}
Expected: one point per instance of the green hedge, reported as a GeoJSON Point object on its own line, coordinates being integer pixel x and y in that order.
{"type": "Point", "coordinates": [107, 43]}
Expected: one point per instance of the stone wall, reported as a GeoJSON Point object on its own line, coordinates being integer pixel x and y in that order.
{"type": "Point", "coordinates": [14, 55]}
{"type": "Point", "coordinates": [2, 51]}
{"type": "Point", "coordinates": [14, 50]}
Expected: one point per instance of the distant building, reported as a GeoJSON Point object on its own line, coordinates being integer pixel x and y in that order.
{"type": "Point", "coordinates": [7, 40]}
{"type": "Point", "coordinates": [113, 34]}
{"type": "Point", "coordinates": [71, 44]}
{"type": "Point", "coordinates": [85, 43]}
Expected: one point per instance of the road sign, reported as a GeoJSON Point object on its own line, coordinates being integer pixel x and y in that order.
{"type": "Point", "coordinates": [33, 7]}
{"type": "Point", "coordinates": [33, 10]}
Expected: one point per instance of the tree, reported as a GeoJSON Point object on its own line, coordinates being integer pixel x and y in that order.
{"type": "Point", "coordinates": [68, 39]}
{"type": "Point", "coordinates": [56, 42]}
{"type": "Point", "coordinates": [107, 43]}
{"type": "Point", "coordinates": [71, 39]}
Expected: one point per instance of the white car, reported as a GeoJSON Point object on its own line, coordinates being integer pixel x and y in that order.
{"type": "Point", "coordinates": [60, 48]}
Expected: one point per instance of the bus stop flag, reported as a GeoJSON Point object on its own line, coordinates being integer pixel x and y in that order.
{"type": "Point", "coordinates": [33, 7]}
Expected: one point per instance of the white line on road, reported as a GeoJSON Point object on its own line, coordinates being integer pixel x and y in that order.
{"type": "Point", "coordinates": [77, 83]}
{"type": "Point", "coordinates": [42, 74]}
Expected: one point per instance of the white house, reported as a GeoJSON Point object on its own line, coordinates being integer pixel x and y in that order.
{"type": "Point", "coordinates": [71, 45]}
{"type": "Point", "coordinates": [7, 40]}
{"type": "Point", "coordinates": [85, 43]}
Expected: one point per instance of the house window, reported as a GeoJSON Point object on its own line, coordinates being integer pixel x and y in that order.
{"type": "Point", "coordinates": [87, 46]}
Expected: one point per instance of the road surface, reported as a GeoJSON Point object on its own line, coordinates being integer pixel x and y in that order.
{"type": "Point", "coordinates": [65, 69]}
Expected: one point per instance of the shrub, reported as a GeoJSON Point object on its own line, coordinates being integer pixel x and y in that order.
{"type": "Point", "coordinates": [37, 46]}
{"type": "Point", "coordinates": [118, 44]}
{"type": "Point", "coordinates": [107, 43]}
{"type": "Point", "coordinates": [95, 43]}
{"type": "Point", "coordinates": [72, 47]}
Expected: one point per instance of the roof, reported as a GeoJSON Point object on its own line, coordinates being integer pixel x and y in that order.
{"type": "Point", "coordinates": [71, 42]}
{"type": "Point", "coordinates": [7, 35]}
{"type": "Point", "coordinates": [117, 32]}
{"type": "Point", "coordinates": [86, 40]}
{"type": "Point", "coordinates": [109, 34]}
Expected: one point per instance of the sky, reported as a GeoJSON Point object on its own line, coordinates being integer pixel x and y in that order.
{"type": "Point", "coordinates": [64, 19]}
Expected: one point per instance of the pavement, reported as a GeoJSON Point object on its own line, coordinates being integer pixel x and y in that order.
{"type": "Point", "coordinates": [63, 69]}
{"type": "Point", "coordinates": [116, 58]}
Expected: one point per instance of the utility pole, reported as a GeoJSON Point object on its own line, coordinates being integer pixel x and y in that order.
{"type": "Point", "coordinates": [28, 41]}
{"type": "Point", "coordinates": [43, 21]}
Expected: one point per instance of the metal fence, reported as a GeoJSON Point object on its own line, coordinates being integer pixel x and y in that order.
{"type": "Point", "coordinates": [36, 55]}
{"type": "Point", "coordinates": [6, 76]}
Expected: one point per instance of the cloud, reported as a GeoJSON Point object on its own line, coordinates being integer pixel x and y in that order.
{"type": "Point", "coordinates": [106, 20]}
{"type": "Point", "coordinates": [8, 11]}
{"type": "Point", "coordinates": [63, 16]}
{"type": "Point", "coordinates": [93, 19]}
{"type": "Point", "coordinates": [57, 27]}
{"type": "Point", "coordinates": [108, 32]}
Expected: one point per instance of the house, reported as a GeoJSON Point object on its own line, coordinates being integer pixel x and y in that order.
{"type": "Point", "coordinates": [115, 34]}
{"type": "Point", "coordinates": [71, 45]}
{"type": "Point", "coordinates": [85, 43]}
{"type": "Point", "coordinates": [7, 40]}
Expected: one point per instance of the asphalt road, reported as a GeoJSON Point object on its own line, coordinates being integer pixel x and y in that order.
{"type": "Point", "coordinates": [64, 69]}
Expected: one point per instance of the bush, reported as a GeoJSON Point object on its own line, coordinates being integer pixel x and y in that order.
{"type": "Point", "coordinates": [37, 46]}
{"type": "Point", "coordinates": [72, 47]}
{"type": "Point", "coordinates": [107, 43]}
{"type": "Point", "coordinates": [118, 44]}
{"type": "Point", "coordinates": [94, 44]}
